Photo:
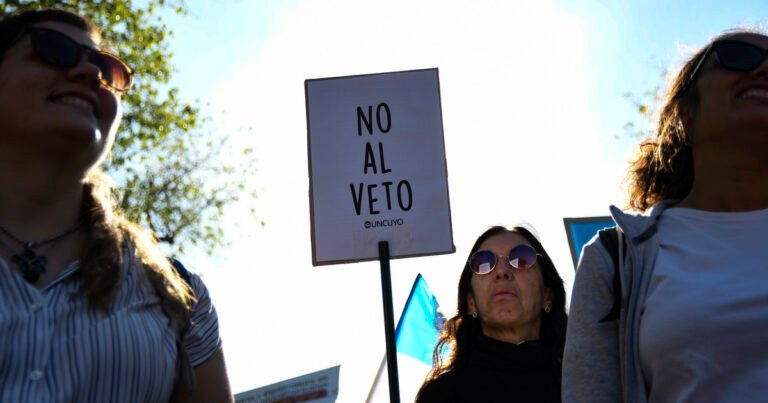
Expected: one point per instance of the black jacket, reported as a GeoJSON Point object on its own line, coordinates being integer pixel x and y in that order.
{"type": "Point", "coordinates": [497, 371]}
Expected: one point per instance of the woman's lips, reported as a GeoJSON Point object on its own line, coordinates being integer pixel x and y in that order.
{"type": "Point", "coordinates": [504, 294]}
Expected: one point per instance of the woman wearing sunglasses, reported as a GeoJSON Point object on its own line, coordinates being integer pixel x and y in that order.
{"type": "Point", "coordinates": [506, 339]}
{"type": "Point", "coordinates": [689, 283]}
{"type": "Point", "coordinates": [90, 309]}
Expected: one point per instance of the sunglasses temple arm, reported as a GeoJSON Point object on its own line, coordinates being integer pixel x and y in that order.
{"type": "Point", "coordinates": [695, 70]}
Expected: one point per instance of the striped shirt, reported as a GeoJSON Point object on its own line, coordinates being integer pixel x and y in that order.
{"type": "Point", "coordinates": [54, 347]}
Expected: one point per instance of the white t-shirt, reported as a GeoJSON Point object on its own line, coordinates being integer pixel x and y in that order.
{"type": "Point", "coordinates": [704, 326]}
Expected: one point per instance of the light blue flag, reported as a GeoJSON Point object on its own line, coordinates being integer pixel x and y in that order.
{"type": "Point", "coordinates": [420, 323]}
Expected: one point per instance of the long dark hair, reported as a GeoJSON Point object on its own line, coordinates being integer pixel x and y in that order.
{"type": "Point", "coordinates": [459, 331]}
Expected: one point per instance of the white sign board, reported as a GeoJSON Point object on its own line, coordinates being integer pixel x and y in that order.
{"type": "Point", "coordinates": [377, 167]}
{"type": "Point", "coordinates": [317, 387]}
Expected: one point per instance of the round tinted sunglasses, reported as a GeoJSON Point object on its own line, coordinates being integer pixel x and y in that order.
{"type": "Point", "coordinates": [733, 55]}
{"type": "Point", "coordinates": [59, 50]}
{"type": "Point", "coordinates": [521, 257]}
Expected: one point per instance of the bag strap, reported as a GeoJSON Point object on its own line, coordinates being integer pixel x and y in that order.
{"type": "Point", "coordinates": [609, 237]}
{"type": "Point", "coordinates": [183, 272]}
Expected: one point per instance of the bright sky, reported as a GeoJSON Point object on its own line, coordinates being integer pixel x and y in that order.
{"type": "Point", "coordinates": [532, 98]}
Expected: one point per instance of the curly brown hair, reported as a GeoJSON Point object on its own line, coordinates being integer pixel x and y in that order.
{"type": "Point", "coordinates": [663, 168]}
{"type": "Point", "coordinates": [112, 239]}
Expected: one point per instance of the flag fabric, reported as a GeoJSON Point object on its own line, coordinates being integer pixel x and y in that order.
{"type": "Point", "coordinates": [415, 338]}
{"type": "Point", "coordinates": [581, 230]}
{"type": "Point", "coordinates": [420, 323]}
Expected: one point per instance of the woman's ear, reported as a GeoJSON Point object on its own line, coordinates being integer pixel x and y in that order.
{"type": "Point", "coordinates": [471, 307]}
{"type": "Point", "coordinates": [548, 298]}
{"type": "Point", "coordinates": [685, 128]}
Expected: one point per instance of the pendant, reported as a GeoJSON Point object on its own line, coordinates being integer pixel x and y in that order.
{"type": "Point", "coordinates": [31, 265]}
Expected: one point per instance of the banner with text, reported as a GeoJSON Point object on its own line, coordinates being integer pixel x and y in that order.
{"type": "Point", "coordinates": [377, 166]}
{"type": "Point", "coordinates": [317, 387]}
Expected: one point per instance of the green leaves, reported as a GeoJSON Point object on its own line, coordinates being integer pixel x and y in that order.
{"type": "Point", "coordinates": [174, 174]}
{"type": "Point", "coordinates": [646, 106]}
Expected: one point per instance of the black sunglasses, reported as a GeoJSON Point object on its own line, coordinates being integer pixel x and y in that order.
{"type": "Point", "coordinates": [521, 257]}
{"type": "Point", "coordinates": [733, 55]}
{"type": "Point", "coordinates": [59, 50]}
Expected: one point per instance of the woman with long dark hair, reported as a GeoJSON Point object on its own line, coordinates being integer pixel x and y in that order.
{"type": "Point", "coordinates": [505, 342]}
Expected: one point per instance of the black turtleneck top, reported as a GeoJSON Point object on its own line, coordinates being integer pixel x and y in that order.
{"type": "Point", "coordinates": [497, 371]}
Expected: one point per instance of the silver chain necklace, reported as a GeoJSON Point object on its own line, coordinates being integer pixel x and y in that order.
{"type": "Point", "coordinates": [31, 264]}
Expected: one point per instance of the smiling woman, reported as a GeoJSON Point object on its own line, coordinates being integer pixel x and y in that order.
{"type": "Point", "coordinates": [506, 338]}
{"type": "Point", "coordinates": [702, 183]}
{"type": "Point", "coordinates": [90, 308]}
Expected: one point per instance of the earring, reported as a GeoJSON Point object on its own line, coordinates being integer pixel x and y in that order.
{"type": "Point", "coordinates": [473, 315]}
{"type": "Point", "coordinates": [547, 308]}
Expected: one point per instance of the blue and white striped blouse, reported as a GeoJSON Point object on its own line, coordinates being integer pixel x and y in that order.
{"type": "Point", "coordinates": [54, 347]}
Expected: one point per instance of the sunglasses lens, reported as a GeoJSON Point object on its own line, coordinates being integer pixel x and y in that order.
{"type": "Point", "coordinates": [55, 48]}
{"type": "Point", "coordinates": [522, 257]}
{"type": "Point", "coordinates": [114, 73]}
{"type": "Point", "coordinates": [60, 50]}
{"type": "Point", "coordinates": [739, 56]}
{"type": "Point", "coordinates": [482, 262]}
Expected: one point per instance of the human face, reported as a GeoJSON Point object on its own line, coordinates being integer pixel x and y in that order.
{"type": "Point", "coordinates": [49, 113]}
{"type": "Point", "coordinates": [509, 302]}
{"type": "Point", "coordinates": [733, 105]}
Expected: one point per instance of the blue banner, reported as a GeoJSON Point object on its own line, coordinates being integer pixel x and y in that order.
{"type": "Point", "coordinates": [581, 230]}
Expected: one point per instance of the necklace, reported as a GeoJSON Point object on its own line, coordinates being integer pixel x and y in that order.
{"type": "Point", "coordinates": [31, 264]}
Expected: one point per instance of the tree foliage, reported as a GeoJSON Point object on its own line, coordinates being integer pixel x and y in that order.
{"type": "Point", "coordinates": [173, 174]}
{"type": "Point", "coordinates": [646, 106]}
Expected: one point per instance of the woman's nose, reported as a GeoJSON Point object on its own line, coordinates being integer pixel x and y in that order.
{"type": "Point", "coordinates": [85, 71]}
{"type": "Point", "coordinates": [505, 270]}
{"type": "Point", "coordinates": [762, 69]}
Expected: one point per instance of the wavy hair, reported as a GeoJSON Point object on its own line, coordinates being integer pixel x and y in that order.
{"type": "Point", "coordinates": [663, 164]}
{"type": "Point", "coordinates": [459, 331]}
{"type": "Point", "coordinates": [113, 239]}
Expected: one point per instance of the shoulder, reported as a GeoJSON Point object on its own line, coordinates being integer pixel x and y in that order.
{"type": "Point", "coordinates": [596, 266]}
{"type": "Point", "coordinates": [634, 223]}
{"type": "Point", "coordinates": [202, 339]}
{"type": "Point", "coordinates": [595, 263]}
{"type": "Point", "coordinates": [193, 280]}
{"type": "Point", "coordinates": [440, 389]}
{"type": "Point", "coordinates": [201, 358]}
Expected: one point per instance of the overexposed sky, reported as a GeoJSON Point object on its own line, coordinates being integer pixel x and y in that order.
{"type": "Point", "coordinates": [532, 102]}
